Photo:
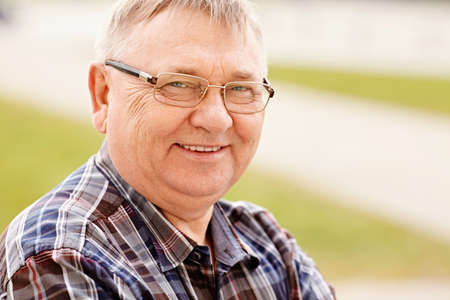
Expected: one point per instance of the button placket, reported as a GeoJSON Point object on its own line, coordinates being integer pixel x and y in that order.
{"type": "Point", "coordinates": [196, 256]}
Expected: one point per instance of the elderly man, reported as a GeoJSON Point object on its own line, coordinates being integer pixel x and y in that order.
{"type": "Point", "coordinates": [179, 92]}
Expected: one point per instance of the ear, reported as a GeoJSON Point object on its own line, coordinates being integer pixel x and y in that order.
{"type": "Point", "coordinates": [99, 91]}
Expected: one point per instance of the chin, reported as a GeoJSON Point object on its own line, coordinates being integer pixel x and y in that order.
{"type": "Point", "coordinates": [202, 191]}
{"type": "Point", "coordinates": [203, 188]}
{"type": "Point", "coordinates": [199, 182]}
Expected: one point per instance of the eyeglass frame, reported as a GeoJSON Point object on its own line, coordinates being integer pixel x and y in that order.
{"type": "Point", "coordinates": [120, 66]}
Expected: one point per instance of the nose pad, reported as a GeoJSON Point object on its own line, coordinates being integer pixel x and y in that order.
{"type": "Point", "coordinates": [203, 94]}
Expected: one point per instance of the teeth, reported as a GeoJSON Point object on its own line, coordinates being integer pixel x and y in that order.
{"type": "Point", "coordinates": [201, 148]}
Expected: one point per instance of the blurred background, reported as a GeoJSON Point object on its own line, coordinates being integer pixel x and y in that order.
{"type": "Point", "coordinates": [355, 154]}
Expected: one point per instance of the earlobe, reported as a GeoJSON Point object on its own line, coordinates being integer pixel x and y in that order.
{"type": "Point", "coordinates": [99, 91]}
{"type": "Point", "coordinates": [100, 120]}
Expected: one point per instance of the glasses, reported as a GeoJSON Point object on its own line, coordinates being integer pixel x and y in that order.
{"type": "Point", "coordinates": [183, 90]}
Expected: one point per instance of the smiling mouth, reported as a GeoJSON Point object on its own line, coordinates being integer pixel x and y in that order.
{"type": "Point", "coordinates": [200, 148]}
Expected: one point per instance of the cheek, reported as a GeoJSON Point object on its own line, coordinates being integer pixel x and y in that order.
{"type": "Point", "coordinates": [248, 128]}
{"type": "Point", "coordinates": [154, 129]}
{"type": "Point", "coordinates": [138, 107]}
{"type": "Point", "coordinates": [142, 118]}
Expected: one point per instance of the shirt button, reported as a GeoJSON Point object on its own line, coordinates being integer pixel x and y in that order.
{"type": "Point", "coordinates": [196, 256]}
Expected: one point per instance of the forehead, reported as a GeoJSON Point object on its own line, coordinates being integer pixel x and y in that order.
{"type": "Point", "coordinates": [189, 39]}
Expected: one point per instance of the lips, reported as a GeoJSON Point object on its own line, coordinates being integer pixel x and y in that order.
{"type": "Point", "coordinates": [198, 148]}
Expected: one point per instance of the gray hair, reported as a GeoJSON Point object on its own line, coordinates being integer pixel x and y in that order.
{"type": "Point", "coordinates": [127, 14]}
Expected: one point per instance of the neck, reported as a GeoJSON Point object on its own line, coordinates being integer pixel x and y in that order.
{"type": "Point", "coordinates": [195, 228]}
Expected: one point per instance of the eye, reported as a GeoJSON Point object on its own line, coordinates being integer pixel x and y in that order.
{"type": "Point", "coordinates": [239, 88]}
{"type": "Point", "coordinates": [178, 84]}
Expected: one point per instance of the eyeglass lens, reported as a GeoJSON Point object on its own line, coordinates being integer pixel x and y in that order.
{"type": "Point", "coordinates": [187, 91]}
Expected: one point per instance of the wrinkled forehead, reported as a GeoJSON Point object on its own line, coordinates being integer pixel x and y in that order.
{"type": "Point", "coordinates": [241, 26]}
{"type": "Point", "coordinates": [183, 34]}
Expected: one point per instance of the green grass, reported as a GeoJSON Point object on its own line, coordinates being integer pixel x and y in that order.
{"type": "Point", "coordinates": [343, 241]}
{"type": "Point", "coordinates": [424, 93]}
{"type": "Point", "coordinates": [39, 150]}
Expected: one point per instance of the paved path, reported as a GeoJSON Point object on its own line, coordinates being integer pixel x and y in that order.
{"type": "Point", "coordinates": [385, 160]}
{"type": "Point", "coordinates": [393, 290]}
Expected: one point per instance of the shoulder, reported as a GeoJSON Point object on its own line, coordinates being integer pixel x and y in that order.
{"type": "Point", "coordinates": [64, 218]}
{"type": "Point", "coordinates": [253, 218]}
{"type": "Point", "coordinates": [238, 209]}
{"type": "Point", "coordinates": [258, 229]}
{"type": "Point", "coordinates": [62, 274]}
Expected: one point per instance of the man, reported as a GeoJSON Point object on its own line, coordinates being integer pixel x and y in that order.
{"type": "Point", "coordinates": [179, 92]}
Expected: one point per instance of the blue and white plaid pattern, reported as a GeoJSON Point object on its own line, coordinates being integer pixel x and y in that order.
{"type": "Point", "coordinates": [95, 237]}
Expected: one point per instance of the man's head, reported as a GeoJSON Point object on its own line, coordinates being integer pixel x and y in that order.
{"type": "Point", "coordinates": [180, 158]}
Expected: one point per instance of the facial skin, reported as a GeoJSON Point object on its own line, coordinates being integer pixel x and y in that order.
{"type": "Point", "coordinates": [144, 135]}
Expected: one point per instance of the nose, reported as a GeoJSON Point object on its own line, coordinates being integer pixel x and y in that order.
{"type": "Point", "coordinates": [211, 113]}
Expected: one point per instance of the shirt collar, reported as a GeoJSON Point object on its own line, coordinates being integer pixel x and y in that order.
{"type": "Point", "coordinates": [170, 245]}
{"type": "Point", "coordinates": [229, 249]}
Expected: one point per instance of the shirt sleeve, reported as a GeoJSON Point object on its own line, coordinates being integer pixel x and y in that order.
{"type": "Point", "coordinates": [62, 274]}
{"type": "Point", "coordinates": [312, 284]}
{"type": "Point", "coordinates": [303, 275]}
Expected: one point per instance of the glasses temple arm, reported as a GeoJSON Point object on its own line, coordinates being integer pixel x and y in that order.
{"type": "Point", "coordinates": [269, 88]}
{"type": "Point", "coordinates": [130, 70]}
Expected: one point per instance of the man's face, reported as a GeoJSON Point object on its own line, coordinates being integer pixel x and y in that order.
{"type": "Point", "coordinates": [146, 137]}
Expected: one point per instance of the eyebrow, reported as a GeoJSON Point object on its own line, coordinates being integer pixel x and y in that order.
{"type": "Point", "coordinates": [237, 75]}
{"type": "Point", "coordinates": [184, 70]}
{"type": "Point", "coordinates": [243, 75]}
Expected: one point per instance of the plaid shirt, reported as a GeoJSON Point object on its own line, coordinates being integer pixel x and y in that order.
{"type": "Point", "coordinates": [94, 237]}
